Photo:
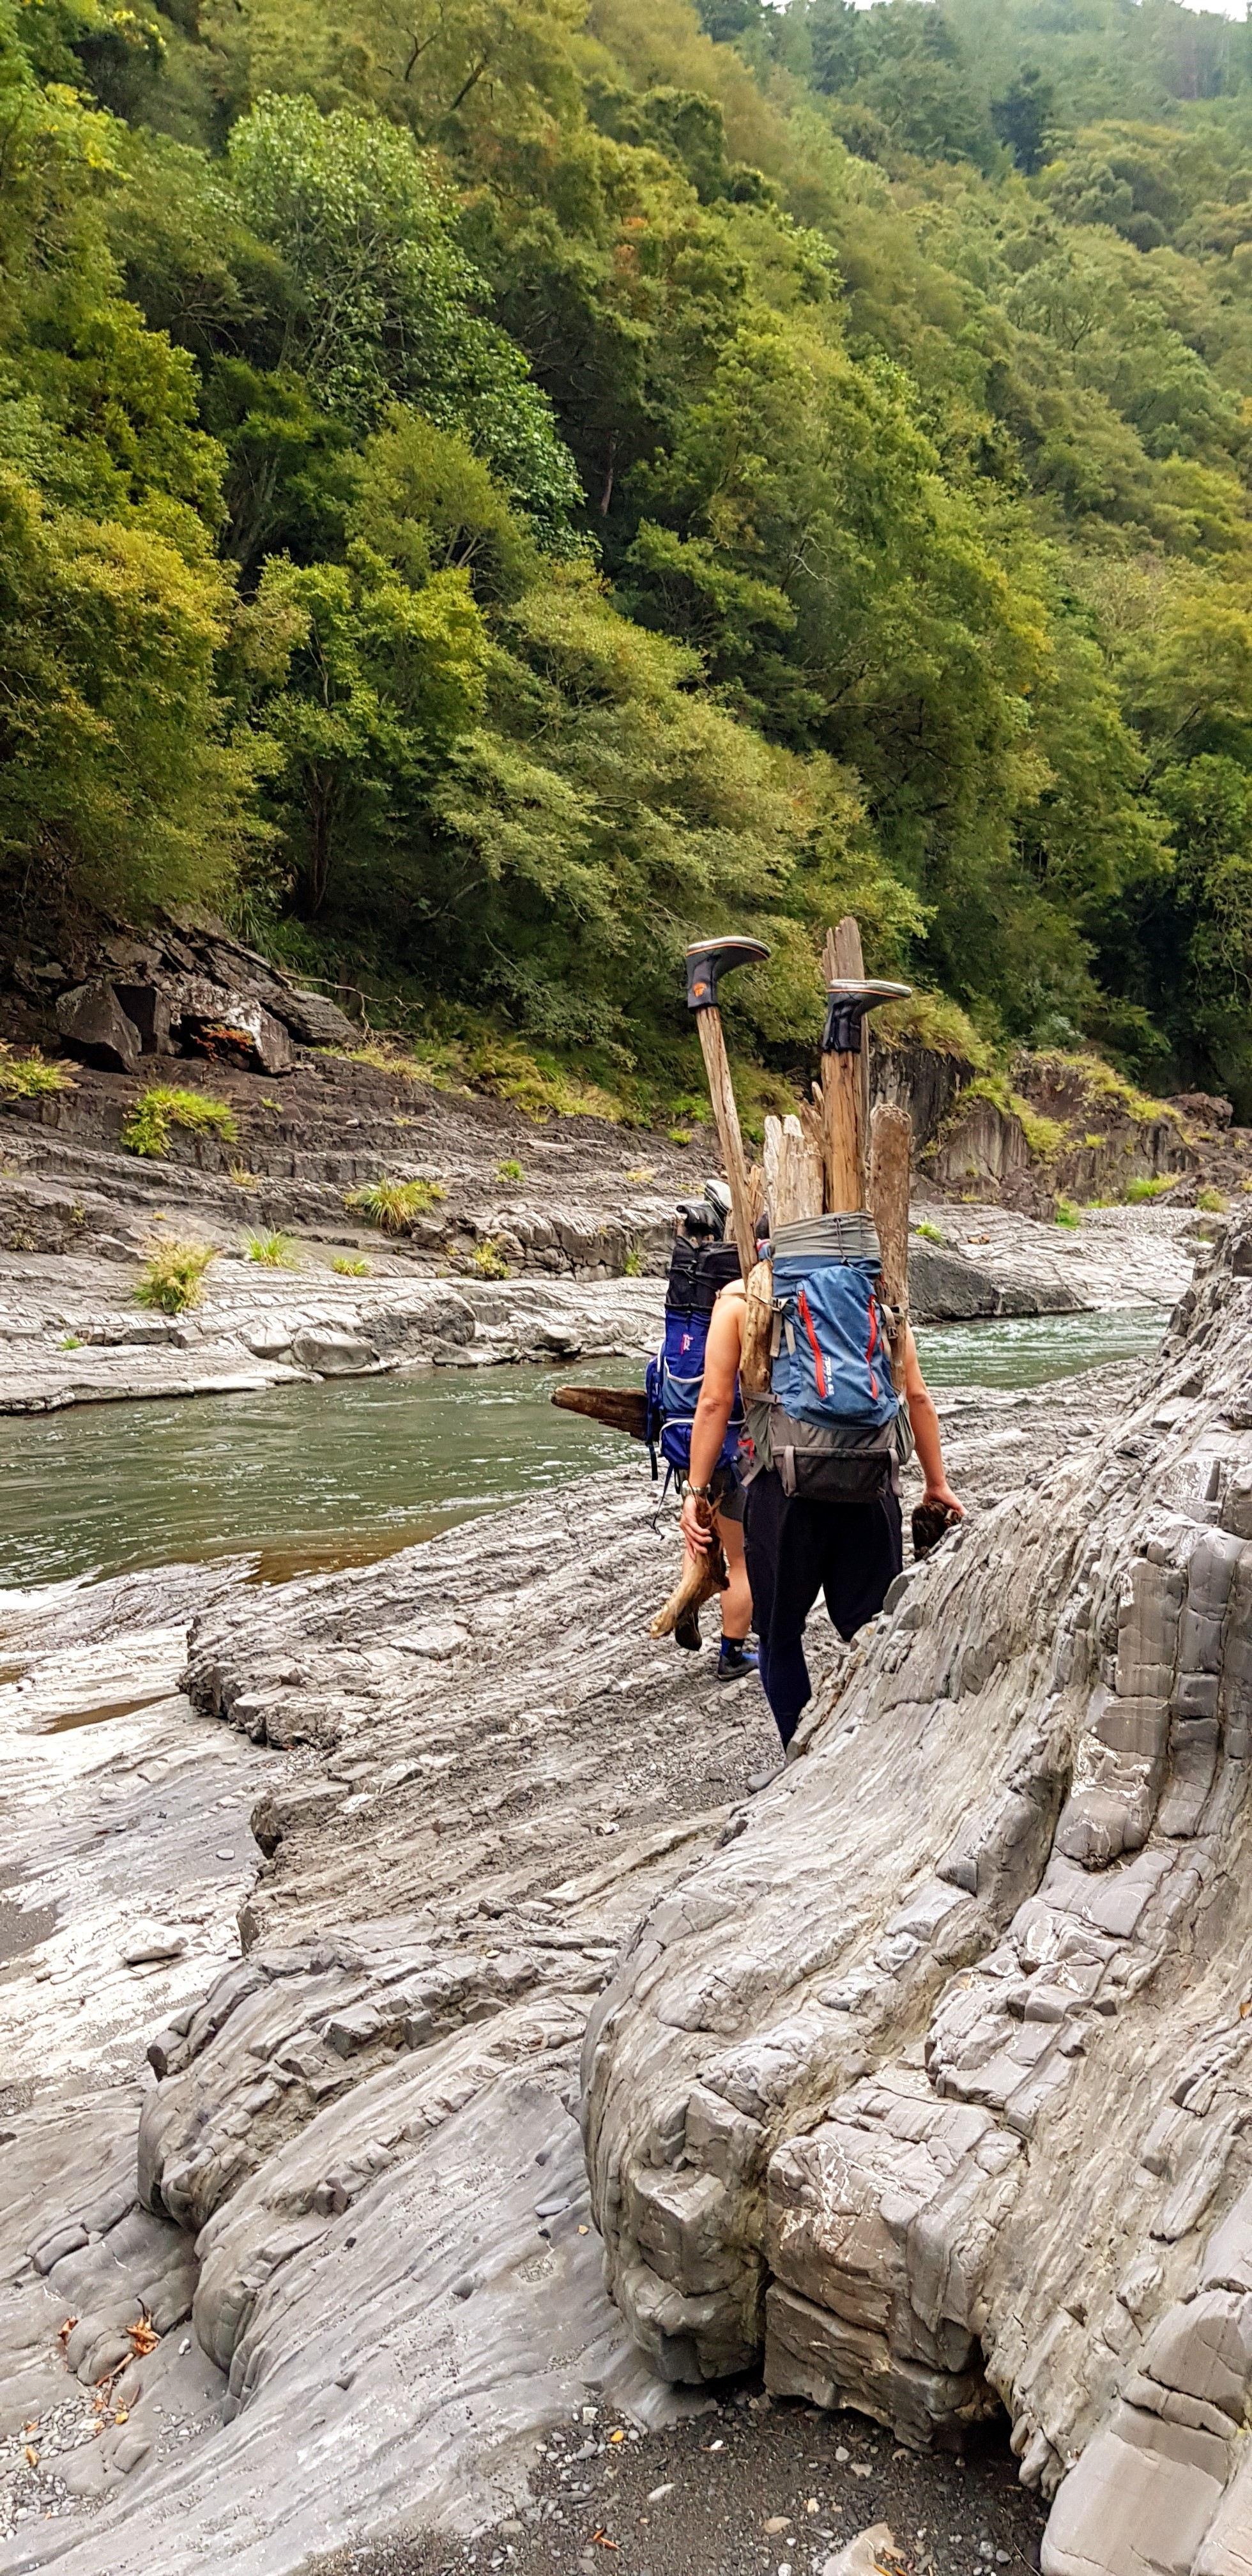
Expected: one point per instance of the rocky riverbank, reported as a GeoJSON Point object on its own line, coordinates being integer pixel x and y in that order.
{"type": "Point", "coordinates": [72, 1333]}
{"type": "Point", "coordinates": [345, 2190]}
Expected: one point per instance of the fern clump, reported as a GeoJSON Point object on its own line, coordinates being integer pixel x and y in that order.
{"type": "Point", "coordinates": [148, 1128]}
{"type": "Point", "coordinates": [173, 1276]}
{"type": "Point", "coordinates": [393, 1205]}
{"type": "Point", "coordinates": [30, 1077]}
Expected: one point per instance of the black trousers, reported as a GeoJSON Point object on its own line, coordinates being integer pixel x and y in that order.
{"type": "Point", "coordinates": [796, 1549]}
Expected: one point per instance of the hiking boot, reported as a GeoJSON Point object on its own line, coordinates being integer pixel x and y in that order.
{"type": "Point", "coordinates": [687, 1632]}
{"type": "Point", "coordinates": [736, 1659]}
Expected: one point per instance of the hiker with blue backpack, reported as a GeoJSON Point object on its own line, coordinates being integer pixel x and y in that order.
{"type": "Point", "coordinates": [704, 1271]}
{"type": "Point", "coordinates": [822, 1450]}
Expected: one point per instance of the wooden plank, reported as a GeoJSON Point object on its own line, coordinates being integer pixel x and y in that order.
{"type": "Point", "coordinates": [844, 943]}
{"type": "Point", "coordinates": [891, 1146]}
{"type": "Point", "coordinates": [755, 1370]}
{"type": "Point", "coordinates": [841, 1105]}
{"type": "Point", "coordinates": [726, 1119]}
{"type": "Point", "coordinates": [798, 1187]}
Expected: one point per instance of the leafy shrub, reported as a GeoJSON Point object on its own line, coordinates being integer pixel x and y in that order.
{"type": "Point", "coordinates": [30, 1077]}
{"type": "Point", "coordinates": [489, 1262]}
{"type": "Point", "coordinates": [510, 1171]}
{"type": "Point", "coordinates": [632, 1267]}
{"type": "Point", "coordinates": [393, 1205]}
{"type": "Point", "coordinates": [1212, 1200]}
{"type": "Point", "coordinates": [147, 1130]}
{"type": "Point", "coordinates": [1067, 1213]}
{"type": "Point", "coordinates": [1142, 1188]}
{"type": "Point", "coordinates": [273, 1251]}
{"type": "Point", "coordinates": [931, 1020]}
{"type": "Point", "coordinates": [928, 1232]}
{"type": "Point", "coordinates": [679, 1135]}
{"type": "Point", "coordinates": [350, 1266]}
{"type": "Point", "coordinates": [173, 1276]}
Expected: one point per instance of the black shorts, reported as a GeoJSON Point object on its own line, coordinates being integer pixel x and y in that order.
{"type": "Point", "coordinates": [795, 1549]}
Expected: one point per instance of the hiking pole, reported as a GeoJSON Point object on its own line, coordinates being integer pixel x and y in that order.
{"type": "Point", "coordinates": [706, 960]}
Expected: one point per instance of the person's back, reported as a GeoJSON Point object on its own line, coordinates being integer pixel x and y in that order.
{"type": "Point", "coordinates": [850, 1547]}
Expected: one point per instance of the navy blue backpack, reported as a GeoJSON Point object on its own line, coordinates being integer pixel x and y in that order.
{"type": "Point", "coordinates": [698, 1273]}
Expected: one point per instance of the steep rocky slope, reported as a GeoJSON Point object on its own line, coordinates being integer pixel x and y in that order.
{"type": "Point", "coordinates": [935, 2083]}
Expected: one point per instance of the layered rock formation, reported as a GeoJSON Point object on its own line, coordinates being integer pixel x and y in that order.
{"type": "Point", "coordinates": [363, 2240]}
{"type": "Point", "coordinates": [933, 2085]}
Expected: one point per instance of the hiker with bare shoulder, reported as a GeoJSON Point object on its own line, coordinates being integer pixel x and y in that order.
{"type": "Point", "coordinates": [704, 1273]}
{"type": "Point", "coordinates": [826, 1447]}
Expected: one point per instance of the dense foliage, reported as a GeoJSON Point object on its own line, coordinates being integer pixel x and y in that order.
{"type": "Point", "coordinates": [489, 488]}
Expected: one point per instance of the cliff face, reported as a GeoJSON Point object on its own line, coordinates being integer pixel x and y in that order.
{"type": "Point", "coordinates": [934, 2082]}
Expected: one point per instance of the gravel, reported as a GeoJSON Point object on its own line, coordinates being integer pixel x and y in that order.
{"type": "Point", "coordinates": [747, 2488]}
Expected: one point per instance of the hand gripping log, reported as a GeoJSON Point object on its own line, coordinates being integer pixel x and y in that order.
{"type": "Point", "coordinates": [707, 959]}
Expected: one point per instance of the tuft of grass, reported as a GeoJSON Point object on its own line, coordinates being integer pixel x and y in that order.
{"type": "Point", "coordinates": [147, 1130]}
{"type": "Point", "coordinates": [1067, 1214]}
{"type": "Point", "coordinates": [30, 1077]}
{"type": "Point", "coordinates": [1211, 1200]}
{"type": "Point", "coordinates": [510, 1171]}
{"type": "Point", "coordinates": [928, 1232]}
{"type": "Point", "coordinates": [274, 1251]}
{"type": "Point", "coordinates": [1093, 1143]}
{"type": "Point", "coordinates": [931, 1020]}
{"type": "Point", "coordinates": [242, 1178]}
{"type": "Point", "coordinates": [393, 1205]}
{"type": "Point", "coordinates": [173, 1276]}
{"type": "Point", "coordinates": [70, 1342]}
{"type": "Point", "coordinates": [679, 1135]}
{"type": "Point", "coordinates": [350, 1266]}
{"type": "Point", "coordinates": [632, 1267]}
{"type": "Point", "coordinates": [489, 1262]}
{"type": "Point", "coordinates": [1142, 1188]}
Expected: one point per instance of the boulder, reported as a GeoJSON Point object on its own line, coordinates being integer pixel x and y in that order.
{"type": "Point", "coordinates": [331, 1353]}
{"type": "Point", "coordinates": [92, 1021]}
{"type": "Point", "coordinates": [313, 1020]}
{"type": "Point", "coordinates": [220, 1021]}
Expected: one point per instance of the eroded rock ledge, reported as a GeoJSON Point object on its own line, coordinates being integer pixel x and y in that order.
{"type": "Point", "coordinates": [934, 2083]}
{"type": "Point", "coordinates": [363, 2186]}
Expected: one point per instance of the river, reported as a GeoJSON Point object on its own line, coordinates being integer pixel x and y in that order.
{"type": "Point", "coordinates": [340, 1473]}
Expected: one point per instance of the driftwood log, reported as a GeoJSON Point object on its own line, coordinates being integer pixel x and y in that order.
{"type": "Point", "coordinates": [624, 1408]}
{"type": "Point", "coordinates": [701, 1577]}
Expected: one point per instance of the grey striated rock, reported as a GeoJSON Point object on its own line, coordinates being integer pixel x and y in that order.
{"type": "Point", "coordinates": [933, 2087]}
{"type": "Point", "coordinates": [843, 2083]}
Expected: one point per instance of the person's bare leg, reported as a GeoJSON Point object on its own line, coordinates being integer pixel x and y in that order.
{"type": "Point", "coordinates": [737, 1598]}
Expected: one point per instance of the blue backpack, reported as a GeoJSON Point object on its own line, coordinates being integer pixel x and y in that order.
{"type": "Point", "coordinates": [835, 1427]}
{"type": "Point", "coordinates": [675, 1376]}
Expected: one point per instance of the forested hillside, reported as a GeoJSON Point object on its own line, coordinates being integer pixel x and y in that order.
{"type": "Point", "coordinates": [491, 487]}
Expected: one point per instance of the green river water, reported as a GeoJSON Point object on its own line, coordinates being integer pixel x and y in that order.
{"type": "Point", "coordinates": [341, 1473]}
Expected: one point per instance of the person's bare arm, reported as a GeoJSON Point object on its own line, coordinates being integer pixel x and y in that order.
{"type": "Point", "coordinates": [714, 1408]}
{"type": "Point", "coordinates": [925, 1423]}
